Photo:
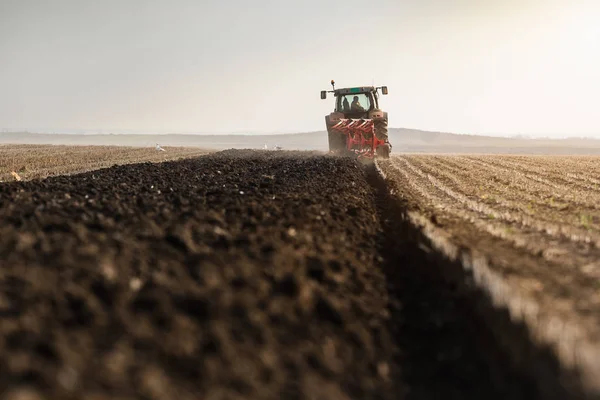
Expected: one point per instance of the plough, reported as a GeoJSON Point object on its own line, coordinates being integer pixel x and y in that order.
{"type": "Point", "coordinates": [359, 136]}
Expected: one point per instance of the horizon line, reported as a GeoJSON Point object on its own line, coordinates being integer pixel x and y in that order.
{"type": "Point", "coordinates": [97, 132]}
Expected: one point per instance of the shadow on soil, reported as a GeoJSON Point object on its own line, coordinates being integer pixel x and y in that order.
{"type": "Point", "coordinates": [456, 343]}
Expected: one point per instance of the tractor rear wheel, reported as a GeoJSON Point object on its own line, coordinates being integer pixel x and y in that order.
{"type": "Point", "coordinates": [381, 132]}
{"type": "Point", "coordinates": [381, 129]}
{"type": "Point", "coordinates": [337, 141]}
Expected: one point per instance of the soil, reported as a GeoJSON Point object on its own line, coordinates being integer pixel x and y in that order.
{"type": "Point", "coordinates": [536, 246]}
{"type": "Point", "coordinates": [239, 274]}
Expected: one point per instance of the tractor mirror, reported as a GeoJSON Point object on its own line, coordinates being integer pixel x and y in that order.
{"type": "Point", "coordinates": [384, 90]}
{"type": "Point", "coordinates": [323, 94]}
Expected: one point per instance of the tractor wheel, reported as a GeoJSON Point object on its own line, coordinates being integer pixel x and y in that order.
{"type": "Point", "coordinates": [337, 142]}
{"type": "Point", "coordinates": [381, 132]}
{"type": "Point", "coordinates": [381, 129]}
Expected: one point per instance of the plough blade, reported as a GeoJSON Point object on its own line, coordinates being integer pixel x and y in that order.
{"type": "Point", "coordinates": [360, 136]}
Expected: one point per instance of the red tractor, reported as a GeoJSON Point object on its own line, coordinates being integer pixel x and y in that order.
{"type": "Point", "coordinates": [357, 125]}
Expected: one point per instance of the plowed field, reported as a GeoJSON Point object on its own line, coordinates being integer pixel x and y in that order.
{"type": "Point", "coordinates": [284, 275]}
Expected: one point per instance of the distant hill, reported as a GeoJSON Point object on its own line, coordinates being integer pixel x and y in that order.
{"type": "Point", "coordinates": [412, 140]}
{"type": "Point", "coordinates": [403, 141]}
{"type": "Point", "coordinates": [312, 140]}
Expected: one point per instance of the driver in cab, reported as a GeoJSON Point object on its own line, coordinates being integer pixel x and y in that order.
{"type": "Point", "coordinates": [355, 106]}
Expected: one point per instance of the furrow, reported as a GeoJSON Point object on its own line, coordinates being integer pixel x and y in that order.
{"type": "Point", "coordinates": [573, 261]}
{"type": "Point", "coordinates": [495, 191]}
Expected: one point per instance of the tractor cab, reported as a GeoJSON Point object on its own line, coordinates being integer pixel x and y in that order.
{"type": "Point", "coordinates": [354, 105]}
{"type": "Point", "coordinates": [356, 102]}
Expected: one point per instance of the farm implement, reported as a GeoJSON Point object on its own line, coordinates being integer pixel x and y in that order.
{"type": "Point", "coordinates": [357, 126]}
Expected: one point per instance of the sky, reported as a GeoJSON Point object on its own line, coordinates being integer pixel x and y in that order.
{"type": "Point", "coordinates": [493, 67]}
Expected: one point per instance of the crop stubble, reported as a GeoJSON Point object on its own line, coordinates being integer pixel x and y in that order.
{"type": "Point", "coordinates": [536, 221]}
{"type": "Point", "coordinates": [42, 161]}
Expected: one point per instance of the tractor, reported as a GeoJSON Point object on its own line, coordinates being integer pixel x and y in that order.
{"type": "Point", "coordinates": [357, 126]}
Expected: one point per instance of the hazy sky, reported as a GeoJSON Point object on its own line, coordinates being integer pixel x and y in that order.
{"type": "Point", "coordinates": [467, 66]}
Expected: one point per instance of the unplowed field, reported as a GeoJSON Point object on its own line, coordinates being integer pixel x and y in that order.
{"type": "Point", "coordinates": [272, 275]}
{"type": "Point", "coordinates": [41, 161]}
{"type": "Point", "coordinates": [533, 223]}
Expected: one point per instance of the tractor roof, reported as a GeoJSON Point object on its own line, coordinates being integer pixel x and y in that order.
{"type": "Point", "coordinates": [359, 89]}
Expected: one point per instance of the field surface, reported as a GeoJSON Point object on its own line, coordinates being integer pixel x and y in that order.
{"type": "Point", "coordinates": [248, 274]}
{"type": "Point", "coordinates": [535, 221]}
{"type": "Point", "coordinates": [42, 161]}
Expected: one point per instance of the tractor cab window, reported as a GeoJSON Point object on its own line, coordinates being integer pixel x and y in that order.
{"type": "Point", "coordinates": [353, 103]}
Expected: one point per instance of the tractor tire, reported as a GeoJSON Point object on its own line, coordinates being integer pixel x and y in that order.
{"type": "Point", "coordinates": [381, 129]}
{"type": "Point", "coordinates": [337, 142]}
{"type": "Point", "coordinates": [381, 132]}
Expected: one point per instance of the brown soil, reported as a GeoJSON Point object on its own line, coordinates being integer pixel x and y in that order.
{"type": "Point", "coordinates": [241, 274]}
